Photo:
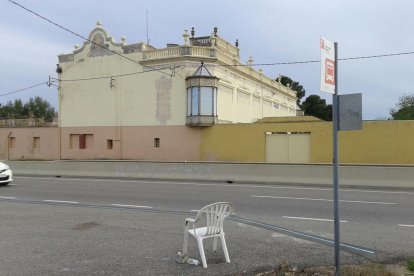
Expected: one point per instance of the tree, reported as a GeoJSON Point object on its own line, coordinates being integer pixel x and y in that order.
{"type": "Point", "coordinates": [36, 107]}
{"type": "Point", "coordinates": [315, 106]}
{"type": "Point", "coordinates": [7, 111]}
{"type": "Point", "coordinates": [40, 108]}
{"type": "Point", "coordinates": [404, 109]}
{"type": "Point", "coordinates": [18, 108]}
{"type": "Point", "coordinates": [294, 85]}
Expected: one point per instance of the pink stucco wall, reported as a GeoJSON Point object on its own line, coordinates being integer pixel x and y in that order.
{"type": "Point", "coordinates": [19, 143]}
{"type": "Point", "coordinates": [176, 143]}
{"type": "Point", "coordinates": [96, 145]}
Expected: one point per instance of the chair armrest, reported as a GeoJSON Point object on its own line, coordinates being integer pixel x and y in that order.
{"type": "Point", "coordinates": [187, 220]}
{"type": "Point", "coordinates": [190, 220]}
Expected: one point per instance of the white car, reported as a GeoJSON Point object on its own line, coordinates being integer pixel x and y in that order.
{"type": "Point", "coordinates": [6, 175]}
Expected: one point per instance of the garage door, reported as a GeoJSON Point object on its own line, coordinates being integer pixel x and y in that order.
{"type": "Point", "coordinates": [288, 147]}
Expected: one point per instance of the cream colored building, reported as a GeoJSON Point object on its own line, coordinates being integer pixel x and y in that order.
{"type": "Point", "coordinates": [163, 105]}
{"type": "Point", "coordinates": [132, 101]}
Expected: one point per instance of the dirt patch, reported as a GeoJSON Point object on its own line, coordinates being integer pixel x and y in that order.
{"type": "Point", "coordinates": [85, 226]}
{"type": "Point", "coordinates": [371, 269]}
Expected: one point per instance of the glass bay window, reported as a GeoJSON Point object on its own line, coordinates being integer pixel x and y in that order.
{"type": "Point", "coordinates": [201, 98]}
{"type": "Point", "coordinates": [202, 101]}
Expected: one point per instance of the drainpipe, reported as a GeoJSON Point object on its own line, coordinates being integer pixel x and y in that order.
{"type": "Point", "coordinates": [59, 89]}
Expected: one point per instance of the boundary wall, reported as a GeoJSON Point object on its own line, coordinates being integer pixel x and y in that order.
{"type": "Point", "coordinates": [364, 176]}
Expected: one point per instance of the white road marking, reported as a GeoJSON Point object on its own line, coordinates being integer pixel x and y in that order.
{"type": "Point", "coordinates": [60, 201]}
{"type": "Point", "coordinates": [322, 199]}
{"type": "Point", "coordinates": [270, 186]}
{"type": "Point", "coordinates": [315, 219]}
{"type": "Point", "coordinates": [7, 197]}
{"type": "Point", "coordinates": [132, 206]}
{"type": "Point", "coordinates": [405, 225]}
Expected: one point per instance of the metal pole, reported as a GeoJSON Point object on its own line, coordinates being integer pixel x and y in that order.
{"type": "Point", "coordinates": [335, 121]}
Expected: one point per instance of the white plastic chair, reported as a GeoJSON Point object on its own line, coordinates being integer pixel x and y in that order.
{"type": "Point", "coordinates": [215, 214]}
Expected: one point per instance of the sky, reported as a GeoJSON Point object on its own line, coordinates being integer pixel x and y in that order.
{"type": "Point", "coordinates": [270, 31]}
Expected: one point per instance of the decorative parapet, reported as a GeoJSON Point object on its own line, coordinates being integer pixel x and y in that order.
{"type": "Point", "coordinates": [204, 41]}
{"type": "Point", "coordinates": [179, 51]}
{"type": "Point", "coordinates": [204, 47]}
{"type": "Point", "coordinates": [99, 44]}
{"type": "Point", "coordinates": [227, 48]}
{"type": "Point", "coordinates": [216, 41]}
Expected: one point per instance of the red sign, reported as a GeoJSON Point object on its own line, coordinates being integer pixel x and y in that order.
{"type": "Point", "coordinates": [327, 66]}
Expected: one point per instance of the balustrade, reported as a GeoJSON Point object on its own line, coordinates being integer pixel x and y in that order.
{"type": "Point", "coordinates": [179, 51]}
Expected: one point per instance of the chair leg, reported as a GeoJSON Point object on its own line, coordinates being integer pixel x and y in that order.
{"type": "Point", "coordinates": [201, 249]}
{"type": "Point", "coordinates": [223, 244]}
{"type": "Point", "coordinates": [185, 242]}
{"type": "Point", "coordinates": [215, 244]}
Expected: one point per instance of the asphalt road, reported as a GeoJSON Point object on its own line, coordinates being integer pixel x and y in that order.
{"type": "Point", "coordinates": [65, 226]}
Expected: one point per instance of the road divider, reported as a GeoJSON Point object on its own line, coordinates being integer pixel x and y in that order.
{"type": "Point", "coordinates": [383, 176]}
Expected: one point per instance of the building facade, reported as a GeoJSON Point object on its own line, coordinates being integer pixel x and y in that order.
{"type": "Point", "coordinates": [132, 101]}
{"type": "Point", "coordinates": [190, 102]}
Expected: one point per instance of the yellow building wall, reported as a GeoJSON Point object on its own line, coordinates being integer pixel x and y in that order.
{"type": "Point", "coordinates": [247, 142]}
{"type": "Point", "coordinates": [380, 142]}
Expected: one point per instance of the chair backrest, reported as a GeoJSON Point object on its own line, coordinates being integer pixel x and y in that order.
{"type": "Point", "coordinates": [215, 214]}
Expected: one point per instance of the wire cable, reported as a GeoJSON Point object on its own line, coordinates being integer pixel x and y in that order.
{"type": "Point", "coordinates": [378, 56]}
{"type": "Point", "coordinates": [111, 76]}
{"type": "Point", "coordinates": [317, 61]}
{"type": "Point", "coordinates": [84, 38]}
{"type": "Point", "coordinates": [23, 89]}
{"type": "Point", "coordinates": [234, 65]}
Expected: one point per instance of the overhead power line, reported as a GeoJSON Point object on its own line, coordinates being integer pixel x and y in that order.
{"type": "Point", "coordinates": [378, 56]}
{"type": "Point", "coordinates": [255, 64]}
{"type": "Point", "coordinates": [173, 69]}
{"type": "Point", "coordinates": [84, 38]}
{"type": "Point", "coordinates": [112, 76]}
{"type": "Point", "coordinates": [49, 83]}
{"type": "Point", "coordinates": [23, 89]}
{"type": "Point", "coordinates": [317, 61]}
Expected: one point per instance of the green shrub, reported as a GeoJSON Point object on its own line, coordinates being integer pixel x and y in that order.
{"type": "Point", "coordinates": [410, 265]}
